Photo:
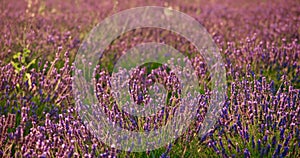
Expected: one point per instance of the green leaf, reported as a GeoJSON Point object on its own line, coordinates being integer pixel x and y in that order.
{"type": "Point", "coordinates": [16, 66]}
{"type": "Point", "coordinates": [26, 52]}
{"type": "Point", "coordinates": [29, 79]}
{"type": "Point", "coordinates": [32, 62]}
{"type": "Point", "coordinates": [16, 56]}
{"type": "Point", "coordinates": [23, 60]}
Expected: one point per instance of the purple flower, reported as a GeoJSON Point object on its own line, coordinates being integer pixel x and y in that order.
{"type": "Point", "coordinates": [253, 143]}
{"type": "Point", "coordinates": [285, 152]}
{"type": "Point", "coordinates": [277, 151]}
{"type": "Point", "coordinates": [246, 135]}
{"type": "Point", "coordinates": [265, 138]}
{"type": "Point", "coordinates": [258, 145]}
{"type": "Point", "coordinates": [274, 141]}
{"type": "Point", "coordinates": [267, 149]}
{"type": "Point", "coordinates": [237, 148]}
{"type": "Point", "coordinates": [164, 155]}
{"type": "Point", "coordinates": [282, 133]}
{"type": "Point", "coordinates": [246, 153]}
{"type": "Point", "coordinates": [286, 142]}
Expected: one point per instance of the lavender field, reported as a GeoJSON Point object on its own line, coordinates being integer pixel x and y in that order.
{"type": "Point", "coordinates": [259, 42]}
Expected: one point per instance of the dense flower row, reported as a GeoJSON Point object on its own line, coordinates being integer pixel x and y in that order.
{"type": "Point", "coordinates": [260, 46]}
{"type": "Point", "coordinates": [257, 118]}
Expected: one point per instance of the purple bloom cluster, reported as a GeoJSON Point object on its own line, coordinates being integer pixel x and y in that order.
{"type": "Point", "coordinates": [261, 50]}
{"type": "Point", "coordinates": [265, 123]}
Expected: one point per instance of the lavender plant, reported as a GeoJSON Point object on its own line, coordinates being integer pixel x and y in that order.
{"type": "Point", "coordinates": [259, 42]}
